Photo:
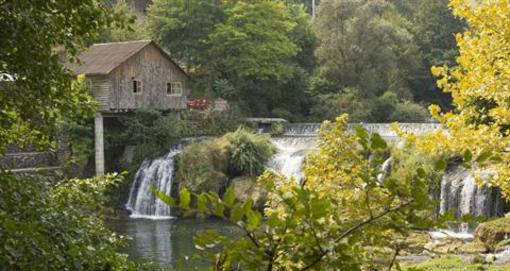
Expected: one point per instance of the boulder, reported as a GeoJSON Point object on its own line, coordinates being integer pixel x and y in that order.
{"type": "Point", "coordinates": [202, 167]}
{"type": "Point", "coordinates": [493, 232]}
{"type": "Point", "coordinates": [246, 188]}
{"type": "Point", "coordinates": [455, 246]}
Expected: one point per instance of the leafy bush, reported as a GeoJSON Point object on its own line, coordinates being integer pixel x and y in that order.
{"type": "Point", "coordinates": [210, 123]}
{"type": "Point", "coordinates": [392, 108]}
{"type": "Point", "coordinates": [248, 153]}
{"type": "Point", "coordinates": [407, 111]}
{"type": "Point", "coordinates": [348, 100]}
{"type": "Point", "coordinates": [203, 166]}
{"type": "Point", "coordinates": [56, 227]}
{"type": "Point", "coordinates": [282, 113]}
{"type": "Point", "coordinates": [207, 166]}
{"type": "Point", "coordinates": [151, 126]}
{"type": "Point", "coordinates": [407, 157]}
{"type": "Point", "coordinates": [277, 129]}
{"type": "Point", "coordinates": [78, 140]}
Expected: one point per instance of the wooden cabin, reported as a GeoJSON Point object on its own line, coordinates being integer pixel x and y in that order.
{"type": "Point", "coordinates": [124, 76]}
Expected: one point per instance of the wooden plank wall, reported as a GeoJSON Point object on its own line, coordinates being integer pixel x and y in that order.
{"type": "Point", "coordinates": [101, 90]}
{"type": "Point", "coordinates": [154, 70]}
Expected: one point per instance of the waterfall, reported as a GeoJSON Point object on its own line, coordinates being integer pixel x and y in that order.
{"type": "Point", "coordinates": [459, 191]}
{"type": "Point", "coordinates": [156, 173]}
{"type": "Point", "coordinates": [460, 194]}
{"type": "Point", "coordinates": [291, 153]}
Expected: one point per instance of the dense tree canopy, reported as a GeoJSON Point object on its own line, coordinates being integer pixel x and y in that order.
{"type": "Point", "coordinates": [365, 50]}
{"type": "Point", "coordinates": [434, 29]}
{"type": "Point", "coordinates": [264, 62]}
{"type": "Point", "coordinates": [183, 26]}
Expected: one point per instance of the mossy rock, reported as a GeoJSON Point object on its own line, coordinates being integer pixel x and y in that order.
{"type": "Point", "coordinates": [416, 242]}
{"type": "Point", "coordinates": [493, 232]}
{"type": "Point", "coordinates": [450, 262]}
{"type": "Point", "coordinates": [246, 188]}
{"type": "Point", "coordinates": [202, 166]}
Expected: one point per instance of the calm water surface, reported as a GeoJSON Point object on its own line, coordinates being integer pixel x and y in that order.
{"type": "Point", "coordinates": [165, 241]}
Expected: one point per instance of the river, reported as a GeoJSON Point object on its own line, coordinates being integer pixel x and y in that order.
{"type": "Point", "coordinates": [165, 241]}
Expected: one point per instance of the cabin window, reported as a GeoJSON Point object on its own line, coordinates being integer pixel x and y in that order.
{"type": "Point", "coordinates": [174, 89]}
{"type": "Point", "coordinates": [137, 87]}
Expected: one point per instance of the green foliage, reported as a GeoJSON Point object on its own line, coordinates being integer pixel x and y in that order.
{"type": "Point", "coordinates": [253, 41]}
{"type": "Point", "coordinates": [255, 54]}
{"type": "Point", "coordinates": [183, 26]}
{"type": "Point", "coordinates": [451, 263]}
{"type": "Point", "coordinates": [394, 109]}
{"type": "Point", "coordinates": [210, 123]}
{"type": "Point", "coordinates": [372, 63]}
{"type": "Point", "coordinates": [78, 139]}
{"type": "Point", "coordinates": [277, 129]}
{"type": "Point", "coordinates": [434, 29]}
{"type": "Point", "coordinates": [407, 158]}
{"type": "Point", "coordinates": [208, 165]}
{"type": "Point", "coordinates": [349, 100]}
{"type": "Point", "coordinates": [135, 29]}
{"type": "Point", "coordinates": [203, 166]}
{"type": "Point", "coordinates": [152, 129]}
{"type": "Point", "coordinates": [341, 216]}
{"type": "Point", "coordinates": [370, 48]}
{"type": "Point", "coordinates": [57, 227]}
{"type": "Point", "coordinates": [34, 37]}
{"type": "Point", "coordinates": [248, 153]}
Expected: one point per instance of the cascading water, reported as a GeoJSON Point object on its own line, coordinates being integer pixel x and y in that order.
{"type": "Point", "coordinates": [291, 155]}
{"type": "Point", "coordinates": [458, 189]}
{"type": "Point", "coordinates": [157, 173]}
{"type": "Point", "coordinates": [460, 194]}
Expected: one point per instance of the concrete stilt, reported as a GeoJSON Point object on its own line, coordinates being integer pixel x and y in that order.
{"type": "Point", "coordinates": [99, 144]}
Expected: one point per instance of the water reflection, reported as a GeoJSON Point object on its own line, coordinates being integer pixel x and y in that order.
{"type": "Point", "coordinates": [165, 241]}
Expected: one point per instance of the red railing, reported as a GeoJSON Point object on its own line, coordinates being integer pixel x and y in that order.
{"type": "Point", "coordinates": [199, 104]}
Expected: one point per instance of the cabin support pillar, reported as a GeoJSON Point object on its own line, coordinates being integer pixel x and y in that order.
{"type": "Point", "coordinates": [99, 144]}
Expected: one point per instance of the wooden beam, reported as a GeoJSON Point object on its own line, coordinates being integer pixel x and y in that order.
{"type": "Point", "coordinates": [99, 144]}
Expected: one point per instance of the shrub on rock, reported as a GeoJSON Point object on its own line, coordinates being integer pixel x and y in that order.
{"type": "Point", "coordinates": [248, 152]}
{"type": "Point", "coordinates": [202, 166]}
{"type": "Point", "coordinates": [493, 232]}
{"type": "Point", "coordinates": [209, 165]}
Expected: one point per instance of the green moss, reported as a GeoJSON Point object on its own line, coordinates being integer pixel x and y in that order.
{"type": "Point", "coordinates": [202, 167]}
{"type": "Point", "coordinates": [493, 232]}
{"type": "Point", "coordinates": [451, 263]}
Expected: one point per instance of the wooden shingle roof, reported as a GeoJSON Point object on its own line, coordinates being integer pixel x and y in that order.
{"type": "Point", "coordinates": [102, 58]}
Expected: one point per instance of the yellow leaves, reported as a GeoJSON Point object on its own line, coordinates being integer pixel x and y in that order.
{"type": "Point", "coordinates": [435, 110]}
{"type": "Point", "coordinates": [480, 90]}
{"type": "Point", "coordinates": [437, 71]}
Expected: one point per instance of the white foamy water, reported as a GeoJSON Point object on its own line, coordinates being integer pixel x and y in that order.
{"type": "Point", "coordinates": [157, 173]}
{"type": "Point", "coordinates": [290, 156]}
{"type": "Point", "coordinates": [461, 194]}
